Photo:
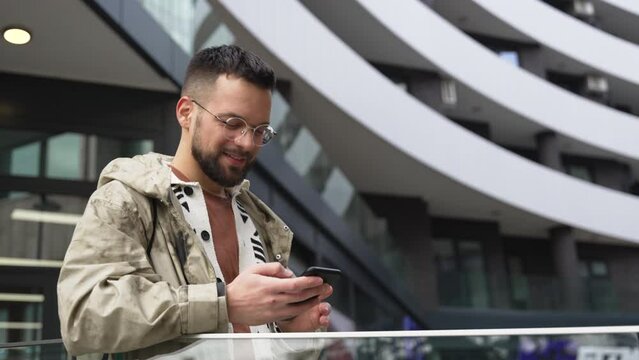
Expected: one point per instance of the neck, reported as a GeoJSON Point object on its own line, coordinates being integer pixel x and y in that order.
{"type": "Point", "coordinates": [186, 164]}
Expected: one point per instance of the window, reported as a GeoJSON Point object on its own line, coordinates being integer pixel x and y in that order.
{"type": "Point", "coordinates": [63, 156]}
{"type": "Point", "coordinates": [582, 172]}
{"type": "Point", "coordinates": [20, 317]}
{"type": "Point", "coordinates": [510, 56]}
{"type": "Point", "coordinates": [593, 268]}
{"type": "Point", "coordinates": [462, 278]}
{"type": "Point", "coordinates": [599, 290]}
{"type": "Point", "coordinates": [20, 153]}
{"type": "Point", "coordinates": [37, 226]}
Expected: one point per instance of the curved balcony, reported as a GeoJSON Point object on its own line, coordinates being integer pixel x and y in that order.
{"type": "Point", "coordinates": [514, 102]}
{"type": "Point", "coordinates": [600, 52]}
{"type": "Point", "coordinates": [578, 49]}
{"type": "Point", "coordinates": [386, 141]}
{"type": "Point", "coordinates": [629, 6]}
{"type": "Point", "coordinates": [619, 17]}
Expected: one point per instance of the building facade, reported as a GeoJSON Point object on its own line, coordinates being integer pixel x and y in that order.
{"type": "Point", "coordinates": [464, 166]}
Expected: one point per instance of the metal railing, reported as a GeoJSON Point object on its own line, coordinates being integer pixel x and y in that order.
{"type": "Point", "coordinates": [610, 342]}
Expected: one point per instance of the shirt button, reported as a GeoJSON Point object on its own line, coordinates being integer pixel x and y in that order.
{"type": "Point", "coordinates": [205, 235]}
{"type": "Point", "coordinates": [188, 190]}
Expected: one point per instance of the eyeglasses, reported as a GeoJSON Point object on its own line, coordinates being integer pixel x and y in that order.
{"type": "Point", "coordinates": [235, 128]}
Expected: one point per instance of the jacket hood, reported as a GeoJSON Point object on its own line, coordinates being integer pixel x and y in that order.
{"type": "Point", "coordinates": [147, 174]}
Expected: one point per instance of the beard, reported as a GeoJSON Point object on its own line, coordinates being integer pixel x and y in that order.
{"type": "Point", "coordinates": [212, 167]}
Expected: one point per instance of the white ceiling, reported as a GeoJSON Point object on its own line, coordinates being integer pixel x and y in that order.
{"type": "Point", "coordinates": [70, 41]}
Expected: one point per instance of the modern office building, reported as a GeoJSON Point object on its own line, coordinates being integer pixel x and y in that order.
{"type": "Point", "coordinates": [466, 163]}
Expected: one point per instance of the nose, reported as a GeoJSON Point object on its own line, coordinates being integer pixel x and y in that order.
{"type": "Point", "coordinates": [245, 139]}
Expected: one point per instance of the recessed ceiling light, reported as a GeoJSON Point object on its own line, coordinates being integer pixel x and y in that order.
{"type": "Point", "coordinates": [16, 36]}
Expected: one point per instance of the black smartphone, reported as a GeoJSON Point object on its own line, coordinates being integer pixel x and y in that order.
{"type": "Point", "coordinates": [329, 275]}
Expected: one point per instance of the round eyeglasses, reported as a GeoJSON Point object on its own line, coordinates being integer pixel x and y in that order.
{"type": "Point", "coordinates": [236, 127]}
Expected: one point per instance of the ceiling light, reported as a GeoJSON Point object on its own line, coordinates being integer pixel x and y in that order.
{"type": "Point", "coordinates": [16, 36]}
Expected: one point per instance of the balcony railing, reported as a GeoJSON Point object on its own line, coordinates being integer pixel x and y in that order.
{"type": "Point", "coordinates": [617, 342]}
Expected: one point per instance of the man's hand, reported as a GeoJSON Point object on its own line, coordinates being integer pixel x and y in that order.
{"type": "Point", "coordinates": [316, 317]}
{"type": "Point", "coordinates": [266, 292]}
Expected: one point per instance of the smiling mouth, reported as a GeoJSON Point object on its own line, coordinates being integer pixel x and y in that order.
{"type": "Point", "coordinates": [236, 158]}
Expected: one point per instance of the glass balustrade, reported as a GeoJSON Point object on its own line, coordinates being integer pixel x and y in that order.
{"type": "Point", "coordinates": [535, 292]}
{"type": "Point", "coordinates": [32, 350]}
{"type": "Point", "coordinates": [589, 343]}
{"type": "Point", "coordinates": [600, 296]}
{"type": "Point", "coordinates": [480, 289]}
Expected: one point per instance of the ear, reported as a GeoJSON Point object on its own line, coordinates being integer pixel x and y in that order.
{"type": "Point", "coordinates": [184, 111]}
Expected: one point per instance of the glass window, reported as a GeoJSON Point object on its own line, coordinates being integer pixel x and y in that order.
{"type": "Point", "coordinates": [461, 276]}
{"type": "Point", "coordinates": [177, 18]}
{"type": "Point", "coordinates": [64, 157]}
{"type": "Point", "coordinates": [38, 226]}
{"type": "Point", "coordinates": [20, 317]}
{"type": "Point", "coordinates": [593, 268]}
{"type": "Point", "coordinates": [67, 156]}
{"type": "Point", "coordinates": [470, 254]}
{"type": "Point", "coordinates": [583, 269]}
{"type": "Point", "coordinates": [220, 36]}
{"type": "Point", "coordinates": [279, 110]}
{"type": "Point", "coordinates": [20, 152]}
{"type": "Point", "coordinates": [444, 255]}
{"type": "Point", "coordinates": [302, 152]}
{"type": "Point", "coordinates": [25, 160]}
{"type": "Point", "coordinates": [579, 171]}
{"type": "Point", "coordinates": [510, 56]}
{"type": "Point", "coordinates": [600, 291]}
{"type": "Point", "coordinates": [338, 192]}
{"type": "Point", "coordinates": [287, 131]}
{"type": "Point", "coordinates": [102, 150]}
{"type": "Point", "coordinates": [599, 268]}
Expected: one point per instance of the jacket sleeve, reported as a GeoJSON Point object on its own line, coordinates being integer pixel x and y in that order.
{"type": "Point", "coordinates": [109, 297]}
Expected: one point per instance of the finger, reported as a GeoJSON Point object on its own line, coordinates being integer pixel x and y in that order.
{"type": "Point", "coordinates": [324, 309]}
{"type": "Point", "coordinates": [324, 321]}
{"type": "Point", "coordinates": [327, 290]}
{"type": "Point", "coordinates": [322, 292]}
{"type": "Point", "coordinates": [302, 295]}
{"type": "Point", "coordinates": [272, 269]}
{"type": "Point", "coordinates": [297, 284]}
{"type": "Point", "coordinates": [295, 309]}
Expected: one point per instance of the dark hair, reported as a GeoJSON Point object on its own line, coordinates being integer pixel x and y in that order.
{"type": "Point", "coordinates": [211, 62]}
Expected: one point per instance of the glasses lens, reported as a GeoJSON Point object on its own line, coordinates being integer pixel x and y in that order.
{"type": "Point", "coordinates": [234, 128]}
{"type": "Point", "coordinates": [262, 135]}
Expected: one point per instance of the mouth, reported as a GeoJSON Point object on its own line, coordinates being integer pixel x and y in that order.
{"type": "Point", "coordinates": [235, 159]}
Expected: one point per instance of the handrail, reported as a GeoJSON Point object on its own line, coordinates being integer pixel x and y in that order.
{"type": "Point", "coordinates": [427, 333]}
{"type": "Point", "coordinates": [633, 329]}
{"type": "Point", "coordinates": [30, 343]}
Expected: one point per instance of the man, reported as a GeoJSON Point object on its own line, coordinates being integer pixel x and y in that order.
{"type": "Point", "coordinates": [174, 246]}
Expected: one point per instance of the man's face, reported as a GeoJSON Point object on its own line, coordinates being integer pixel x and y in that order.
{"type": "Point", "coordinates": [225, 161]}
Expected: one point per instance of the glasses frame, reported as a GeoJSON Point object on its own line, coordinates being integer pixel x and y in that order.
{"type": "Point", "coordinates": [244, 130]}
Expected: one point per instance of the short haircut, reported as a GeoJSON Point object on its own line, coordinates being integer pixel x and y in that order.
{"type": "Point", "coordinates": [207, 64]}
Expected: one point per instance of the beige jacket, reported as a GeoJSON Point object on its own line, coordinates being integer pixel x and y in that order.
{"type": "Point", "coordinates": [112, 298]}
